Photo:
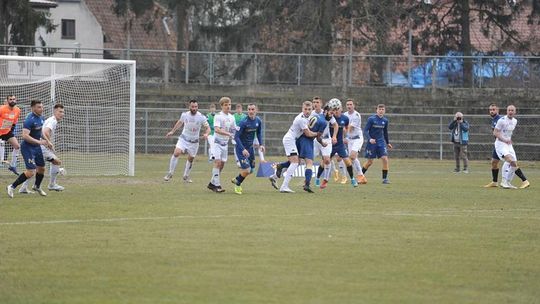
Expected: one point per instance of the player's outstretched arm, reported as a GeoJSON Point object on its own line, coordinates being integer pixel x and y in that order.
{"type": "Point", "coordinates": [177, 126]}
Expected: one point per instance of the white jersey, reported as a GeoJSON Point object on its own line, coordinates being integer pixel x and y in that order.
{"type": "Point", "coordinates": [192, 125]}
{"type": "Point", "coordinates": [298, 126]}
{"type": "Point", "coordinates": [355, 120]}
{"type": "Point", "coordinates": [51, 123]}
{"type": "Point", "coordinates": [225, 122]}
{"type": "Point", "coordinates": [506, 126]}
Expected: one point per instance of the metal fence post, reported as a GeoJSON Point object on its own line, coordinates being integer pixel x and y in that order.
{"type": "Point", "coordinates": [298, 70]}
{"type": "Point", "coordinates": [145, 131]}
{"type": "Point", "coordinates": [187, 68]}
{"type": "Point", "coordinates": [166, 66]}
{"type": "Point", "coordinates": [211, 69]}
{"type": "Point", "coordinates": [256, 69]}
{"type": "Point", "coordinates": [440, 137]}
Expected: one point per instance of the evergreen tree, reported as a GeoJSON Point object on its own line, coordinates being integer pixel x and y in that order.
{"type": "Point", "coordinates": [19, 22]}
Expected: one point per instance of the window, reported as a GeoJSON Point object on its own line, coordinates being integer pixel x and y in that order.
{"type": "Point", "coordinates": [68, 29]}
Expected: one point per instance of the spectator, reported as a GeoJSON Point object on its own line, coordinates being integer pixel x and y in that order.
{"type": "Point", "coordinates": [460, 137]}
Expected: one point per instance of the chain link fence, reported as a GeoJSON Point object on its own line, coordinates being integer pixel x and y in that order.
{"type": "Point", "coordinates": [413, 136]}
{"type": "Point", "coordinates": [234, 68]}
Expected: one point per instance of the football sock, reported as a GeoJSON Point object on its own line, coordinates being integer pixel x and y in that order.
{"type": "Point", "coordinates": [54, 173]}
{"type": "Point", "coordinates": [187, 170]}
{"type": "Point", "coordinates": [342, 169]}
{"type": "Point", "coordinates": [326, 174]}
{"type": "Point", "coordinates": [358, 167]}
{"type": "Point", "coordinates": [495, 174]}
{"type": "Point", "coordinates": [261, 155]}
{"type": "Point", "coordinates": [289, 174]}
{"type": "Point", "coordinates": [520, 174]}
{"type": "Point", "coordinates": [39, 179]}
{"type": "Point", "coordinates": [19, 180]}
{"type": "Point", "coordinates": [239, 179]}
{"type": "Point", "coordinates": [308, 174]}
{"type": "Point", "coordinates": [320, 171]}
{"type": "Point", "coordinates": [505, 168]}
{"type": "Point", "coordinates": [350, 171]}
{"type": "Point", "coordinates": [172, 164]}
{"type": "Point", "coordinates": [215, 177]}
{"type": "Point", "coordinates": [14, 157]}
{"type": "Point", "coordinates": [384, 174]}
{"type": "Point", "coordinates": [364, 170]}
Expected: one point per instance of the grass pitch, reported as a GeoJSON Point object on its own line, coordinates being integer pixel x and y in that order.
{"type": "Point", "coordinates": [431, 236]}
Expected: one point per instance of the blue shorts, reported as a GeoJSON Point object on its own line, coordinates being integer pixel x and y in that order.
{"type": "Point", "coordinates": [305, 147]}
{"type": "Point", "coordinates": [495, 156]}
{"type": "Point", "coordinates": [245, 162]}
{"type": "Point", "coordinates": [376, 150]}
{"type": "Point", "coordinates": [340, 150]}
{"type": "Point", "coordinates": [32, 155]}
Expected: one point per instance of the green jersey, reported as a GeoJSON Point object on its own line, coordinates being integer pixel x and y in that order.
{"type": "Point", "coordinates": [239, 117]}
{"type": "Point", "coordinates": [210, 118]}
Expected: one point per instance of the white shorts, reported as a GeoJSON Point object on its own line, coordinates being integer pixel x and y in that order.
{"type": "Point", "coordinates": [48, 154]}
{"type": "Point", "coordinates": [256, 142]}
{"type": "Point", "coordinates": [187, 147]}
{"type": "Point", "coordinates": [355, 144]}
{"type": "Point", "coordinates": [320, 150]}
{"type": "Point", "coordinates": [220, 152]}
{"type": "Point", "coordinates": [290, 146]}
{"type": "Point", "coordinates": [503, 149]}
{"type": "Point", "coordinates": [210, 142]}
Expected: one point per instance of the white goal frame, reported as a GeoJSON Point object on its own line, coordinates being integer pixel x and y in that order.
{"type": "Point", "coordinates": [53, 78]}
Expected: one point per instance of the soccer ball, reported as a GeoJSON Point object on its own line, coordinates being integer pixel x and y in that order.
{"type": "Point", "coordinates": [62, 171]}
{"type": "Point", "coordinates": [334, 103]}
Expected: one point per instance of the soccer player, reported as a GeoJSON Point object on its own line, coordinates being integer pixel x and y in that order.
{"type": "Point", "coordinates": [339, 147]}
{"type": "Point", "coordinates": [494, 113]}
{"type": "Point", "coordinates": [224, 128]}
{"type": "Point", "coordinates": [355, 139]}
{"type": "Point", "coordinates": [325, 150]}
{"type": "Point", "coordinates": [376, 131]}
{"type": "Point", "coordinates": [31, 149]}
{"type": "Point", "coordinates": [298, 127]}
{"type": "Point", "coordinates": [238, 117]}
{"type": "Point", "coordinates": [9, 116]}
{"type": "Point", "coordinates": [503, 146]}
{"type": "Point", "coordinates": [244, 137]}
{"type": "Point", "coordinates": [188, 141]}
{"type": "Point", "coordinates": [210, 140]}
{"type": "Point", "coordinates": [49, 127]}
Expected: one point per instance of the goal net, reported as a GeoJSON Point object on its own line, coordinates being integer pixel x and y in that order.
{"type": "Point", "coordinates": [97, 134]}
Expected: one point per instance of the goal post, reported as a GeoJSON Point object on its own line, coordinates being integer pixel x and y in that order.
{"type": "Point", "coordinates": [97, 135]}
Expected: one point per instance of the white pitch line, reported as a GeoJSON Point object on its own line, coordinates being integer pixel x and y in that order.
{"type": "Point", "coordinates": [437, 213]}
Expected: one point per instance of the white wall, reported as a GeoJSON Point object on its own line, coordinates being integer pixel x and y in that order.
{"type": "Point", "coordinates": [88, 32]}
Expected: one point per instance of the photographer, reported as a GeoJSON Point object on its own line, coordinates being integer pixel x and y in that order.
{"type": "Point", "coordinates": [460, 137]}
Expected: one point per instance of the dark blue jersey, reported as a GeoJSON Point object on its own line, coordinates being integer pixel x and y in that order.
{"type": "Point", "coordinates": [343, 122]}
{"type": "Point", "coordinates": [377, 128]}
{"type": "Point", "coordinates": [34, 124]}
{"type": "Point", "coordinates": [317, 123]}
{"type": "Point", "coordinates": [247, 130]}
{"type": "Point", "coordinates": [494, 120]}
